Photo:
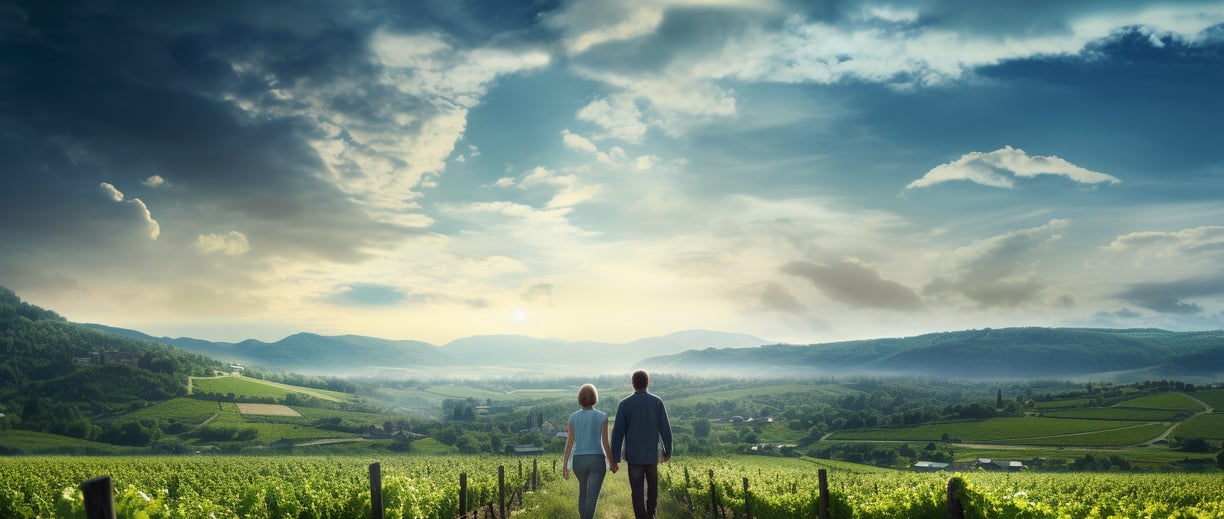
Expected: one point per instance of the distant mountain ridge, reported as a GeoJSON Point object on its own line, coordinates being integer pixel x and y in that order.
{"type": "Point", "coordinates": [310, 353]}
{"type": "Point", "coordinates": [1064, 353]}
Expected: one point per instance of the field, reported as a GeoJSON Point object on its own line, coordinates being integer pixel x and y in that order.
{"type": "Point", "coordinates": [1164, 401]}
{"type": "Point", "coordinates": [254, 388]}
{"type": "Point", "coordinates": [1119, 413]}
{"type": "Point", "coordinates": [1131, 435]}
{"type": "Point", "coordinates": [255, 487]}
{"type": "Point", "coordinates": [267, 410]}
{"type": "Point", "coordinates": [732, 393]}
{"type": "Point", "coordinates": [1213, 398]}
{"type": "Point", "coordinates": [1012, 430]}
{"type": "Point", "coordinates": [1209, 426]}
{"type": "Point", "coordinates": [427, 486]}
{"type": "Point", "coordinates": [716, 488]}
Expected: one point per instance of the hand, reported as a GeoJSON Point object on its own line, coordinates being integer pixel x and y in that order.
{"type": "Point", "coordinates": [665, 458]}
{"type": "Point", "coordinates": [565, 473]}
{"type": "Point", "coordinates": [615, 467]}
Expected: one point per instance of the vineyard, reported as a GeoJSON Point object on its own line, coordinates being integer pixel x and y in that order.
{"type": "Point", "coordinates": [716, 488]}
{"type": "Point", "coordinates": [742, 486]}
{"type": "Point", "coordinates": [257, 487]}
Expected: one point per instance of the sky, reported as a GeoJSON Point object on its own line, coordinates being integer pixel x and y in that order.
{"type": "Point", "coordinates": [608, 170]}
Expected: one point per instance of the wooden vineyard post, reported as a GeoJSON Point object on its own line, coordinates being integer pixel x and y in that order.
{"type": "Point", "coordinates": [955, 509]}
{"type": "Point", "coordinates": [535, 473]}
{"type": "Point", "coordinates": [713, 493]}
{"type": "Point", "coordinates": [688, 498]}
{"type": "Point", "coordinates": [501, 488]}
{"type": "Point", "coordinates": [747, 500]}
{"type": "Point", "coordinates": [99, 498]}
{"type": "Point", "coordinates": [823, 475]}
{"type": "Point", "coordinates": [376, 502]}
{"type": "Point", "coordinates": [463, 504]}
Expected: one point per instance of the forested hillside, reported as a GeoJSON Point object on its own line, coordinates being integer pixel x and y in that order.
{"type": "Point", "coordinates": [60, 377]}
{"type": "Point", "coordinates": [979, 354]}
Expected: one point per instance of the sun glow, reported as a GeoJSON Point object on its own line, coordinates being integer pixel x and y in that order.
{"type": "Point", "coordinates": [518, 315]}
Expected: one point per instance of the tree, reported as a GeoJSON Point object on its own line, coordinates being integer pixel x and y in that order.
{"type": "Point", "coordinates": [999, 399]}
{"type": "Point", "coordinates": [701, 428]}
{"type": "Point", "coordinates": [1220, 459]}
{"type": "Point", "coordinates": [1195, 445]}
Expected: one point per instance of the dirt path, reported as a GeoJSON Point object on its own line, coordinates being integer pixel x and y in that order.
{"type": "Point", "coordinates": [1206, 410]}
{"type": "Point", "coordinates": [559, 499]}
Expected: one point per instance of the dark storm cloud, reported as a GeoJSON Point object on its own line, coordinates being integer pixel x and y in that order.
{"type": "Point", "coordinates": [856, 284]}
{"type": "Point", "coordinates": [1170, 297]}
{"type": "Point", "coordinates": [118, 92]}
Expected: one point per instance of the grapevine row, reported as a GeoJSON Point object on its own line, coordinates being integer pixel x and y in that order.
{"type": "Point", "coordinates": [220, 487]}
{"type": "Point", "coordinates": [712, 488]}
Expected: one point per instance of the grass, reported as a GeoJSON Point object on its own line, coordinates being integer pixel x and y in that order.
{"type": "Point", "coordinates": [1150, 457]}
{"type": "Point", "coordinates": [30, 442]}
{"type": "Point", "coordinates": [1164, 401]}
{"type": "Point", "coordinates": [253, 388]}
{"type": "Point", "coordinates": [1130, 435]}
{"type": "Point", "coordinates": [1213, 397]}
{"type": "Point", "coordinates": [178, 410]}
{"type": "Point", "coordinates": [1120, 413]}
{"type": "Point", "coordinates": [809, 391]}
{"type": "Point", "coordinates": [462, 391]}
{"type": "Point", "coordinates": [1062, 404]}
{"type": "Point", "coordinates": [997, 429]}
{"type": "Point", "coordinates": [1209, 426]}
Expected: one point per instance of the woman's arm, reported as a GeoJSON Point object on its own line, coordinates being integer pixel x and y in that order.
{"type": "Point", "coordinates": [569, 446]}
{"type": "Point", "coordinates": [607, 446]}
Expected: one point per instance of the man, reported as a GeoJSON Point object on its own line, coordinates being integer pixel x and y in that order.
{"type": "Point", "coordinates": [641, 424]}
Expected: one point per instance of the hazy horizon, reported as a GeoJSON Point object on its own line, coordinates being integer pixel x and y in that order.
{"type": "Point", "coordinates": [803, 172]}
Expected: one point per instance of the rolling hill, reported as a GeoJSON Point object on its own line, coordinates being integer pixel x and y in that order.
{"type": "Point", "coordinates": [313, 354]}
{"type": "Point", "coordinates": [1015, 353]}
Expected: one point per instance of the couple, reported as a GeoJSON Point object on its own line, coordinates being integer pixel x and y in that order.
{"type": "Point", "coordinates": [641, 424]}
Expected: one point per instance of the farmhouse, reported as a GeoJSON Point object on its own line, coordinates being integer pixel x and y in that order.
{"type": "Point", "coordinates": [988, 465]}
{"type": "Point", "coordinates": [929, 466]}
{"type": "Point", "coordinates": [524, 450]}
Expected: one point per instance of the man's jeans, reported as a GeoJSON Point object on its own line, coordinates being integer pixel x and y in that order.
{"type": "Point", "coordinates": [644, 486]}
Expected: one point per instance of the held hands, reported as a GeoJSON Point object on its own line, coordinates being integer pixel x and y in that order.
{"type": "Point", "coordinates": [615, 467]}
{"type": "Point", "coordinates": [665, 458]}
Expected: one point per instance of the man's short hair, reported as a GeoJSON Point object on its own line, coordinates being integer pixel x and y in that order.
{"type": "Point", "coordinates": [640, 380]}
{"type": "Point", "coordinates": [587, 396]}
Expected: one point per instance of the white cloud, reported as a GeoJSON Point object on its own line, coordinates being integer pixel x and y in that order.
{"type": "Point", "coordinates": [114, 194]}
{"type": "Point", "coordinates": [517, 220]}
{"type": "Point", "coordinates": [232, 244]}
{"type": "Point", "coordinates": [570, 191]}
{"type": "Point", "coordinates": [618, 115]}
{"type": "Point", "coordinates": [414, 115]}
{"type": "Point", "coordinates": [900, 46]}
{"type": "Point", "coordinates": [585, 24]}
{"type": "Point", "coordinates": [999, 168]}
{"type": "Point", "coordinates": [645, 162]}
{"type": "Point", "coordinates": [153, 226]}
{"type": "Point", "coordinates": [155, 181]}
{"type": "Point", "coordinates": [1185, 246]}
{"type": "Point", "coordinates": [574, 141]}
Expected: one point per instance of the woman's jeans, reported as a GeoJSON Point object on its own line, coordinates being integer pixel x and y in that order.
{"type": "Point", "coordinates": [590, 469]}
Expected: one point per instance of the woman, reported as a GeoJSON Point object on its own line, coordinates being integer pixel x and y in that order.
{"type": "Point", "coordinates": [589, 446]}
